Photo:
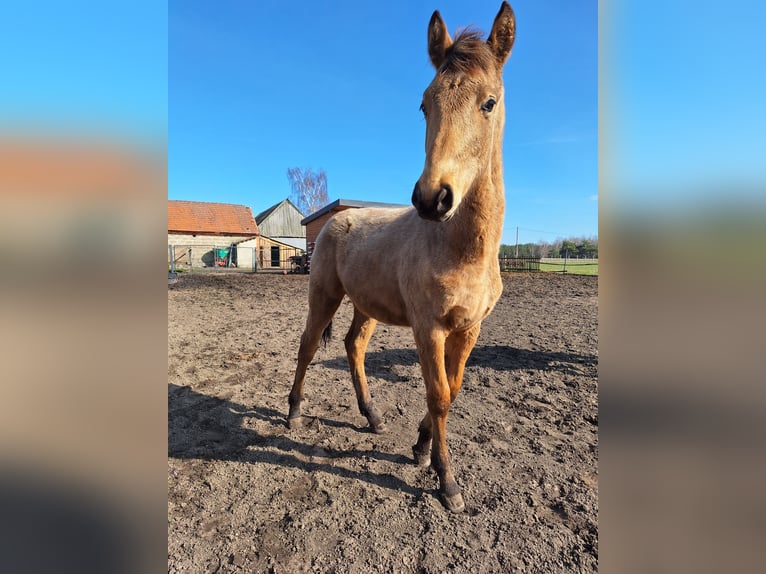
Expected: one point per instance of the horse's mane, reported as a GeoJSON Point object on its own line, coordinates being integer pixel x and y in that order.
{"type": "Point", "coordinates": [468, 53]}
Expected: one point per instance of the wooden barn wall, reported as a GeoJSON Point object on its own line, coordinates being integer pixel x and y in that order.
{"type": "Point", "coordinates": [285, 252]}
{"type": "Point", "coordinates": [284, 221]}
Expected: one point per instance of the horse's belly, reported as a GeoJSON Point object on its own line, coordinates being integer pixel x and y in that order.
{"type": "Point", "coordinates": [384, 314]}
{"type": "Point", "coordinates": [377, 298]}
{"type": "Point", "coordinates": [388, 310]}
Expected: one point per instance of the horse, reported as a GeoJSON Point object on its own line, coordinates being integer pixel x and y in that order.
{"type": "Point", "coordinates": [433, 266]}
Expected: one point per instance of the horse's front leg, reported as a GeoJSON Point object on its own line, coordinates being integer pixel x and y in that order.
{"type": "Point", "coordinates": [421, 450]}
{"type": "Point", "coordinates": [458, 347]}
{"type": "Point", "coordinates": [431, 350]}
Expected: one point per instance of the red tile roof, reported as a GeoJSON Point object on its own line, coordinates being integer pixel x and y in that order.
{"type": "Point", "coordinates": [210, 218]}
{"type": "Point", "coordinates": [65, 167]}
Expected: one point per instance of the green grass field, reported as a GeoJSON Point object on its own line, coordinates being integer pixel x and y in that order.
{"type": "Point", "coordinates": [573, 267]}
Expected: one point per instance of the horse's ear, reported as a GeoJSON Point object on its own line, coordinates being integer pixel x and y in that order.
{"type": "Point", "coordinates": [503, 33]}
{"type": "Point", "coordinates": [438, 40]}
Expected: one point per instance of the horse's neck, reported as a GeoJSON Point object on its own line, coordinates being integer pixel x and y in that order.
{"type": "Point", "coordinates": [477, 226]}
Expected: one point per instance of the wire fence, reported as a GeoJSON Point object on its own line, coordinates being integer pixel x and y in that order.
{"type": "Point", "coordinates": [549, 264]}
{"type": "Point", "coordinates": [580, 266]}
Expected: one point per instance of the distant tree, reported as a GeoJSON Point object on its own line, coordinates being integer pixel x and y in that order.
{"type": "Point", "coordinates": [524, 249]}
{"type": "Point", "coordinates": [583, 247]}
{"type": "Point", "coordinates": [568, 248]}
{"type": "Point", "coordinates": [309, 189]}
{"type": "Point", "coordinates": [540, 250]}
{"type": "Point", "coordinates": [587, 249]}
{"type": "Point", "coordinates": [506, 250]}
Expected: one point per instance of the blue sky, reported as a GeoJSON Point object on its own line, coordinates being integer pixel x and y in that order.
{"type": "Point", "coordinates": [683, 102]}
{"type": "Point", "coordinates": [85, 66]}
{"type": "Point", "coordinates": [257, 87]}
{"type": "Point", "coordinates": [242, 90]}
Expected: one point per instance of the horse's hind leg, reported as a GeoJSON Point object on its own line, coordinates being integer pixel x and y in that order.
{"type": "Point", "coordinates": [357, 339]}
{"type": "Point", "coordinates": [322, 307]}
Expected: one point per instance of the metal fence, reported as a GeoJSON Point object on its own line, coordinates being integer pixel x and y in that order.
{"type": "Point", "coordinates": [519, 263]}
{"type": "Point", "coordinates": [282, 259]}
{"type": "Point", "coordinates": [233, 258]}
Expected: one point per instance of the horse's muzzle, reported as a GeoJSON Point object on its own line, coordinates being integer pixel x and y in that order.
{"type": "Point", "coordinates": [438, 207]}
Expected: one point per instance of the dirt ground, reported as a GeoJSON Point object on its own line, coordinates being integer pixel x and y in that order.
{"type": "Point", "coordinates": [246, 494]}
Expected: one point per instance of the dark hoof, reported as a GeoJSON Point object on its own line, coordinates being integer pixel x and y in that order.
{"type": "Point", "coordinates": [295, 422]}
{"type": "Point", "coordinates": [374, 419]}
{"type": "Point", "coordinates": [421, 458]}
{"type": "Point", "coordinates": [454, 503]}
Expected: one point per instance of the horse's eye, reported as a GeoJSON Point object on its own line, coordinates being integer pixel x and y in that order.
{"type": "Point", "coordinates": [489, 105]}
{"type": "Point", "coordinates": [423, 108]}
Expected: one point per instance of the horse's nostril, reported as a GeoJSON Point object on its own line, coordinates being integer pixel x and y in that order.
{"type": "Point", "coordinates": [416, 195]}
{"type": "Point", "coordinates": [444, 200]}
{"type": "Point", "coordinates": [435, 207]}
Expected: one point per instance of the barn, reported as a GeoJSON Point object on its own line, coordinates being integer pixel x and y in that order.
{"type": "Point", "coordinates": [201, 234]}
{"type": "Point", "coordinates": [282, 236]}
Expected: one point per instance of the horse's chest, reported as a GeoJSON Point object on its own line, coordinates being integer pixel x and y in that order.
{"type": "Point", "coordinates": [470, 300]}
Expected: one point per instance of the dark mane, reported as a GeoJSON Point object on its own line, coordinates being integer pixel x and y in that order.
{"type": "Point", "coordinates": [468, 54]}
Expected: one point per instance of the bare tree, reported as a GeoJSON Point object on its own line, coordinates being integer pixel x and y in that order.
{"type": "Point", "coordinates": [309, 189]}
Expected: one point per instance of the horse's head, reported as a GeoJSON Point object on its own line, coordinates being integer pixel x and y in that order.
{"type": "Point", "coordinates": [464, 112]}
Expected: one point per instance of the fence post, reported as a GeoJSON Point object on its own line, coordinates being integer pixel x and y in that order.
{"type": "Point", "coordinates": [172, 254]}
{"type": "Point", "coordinates": [566, 256]}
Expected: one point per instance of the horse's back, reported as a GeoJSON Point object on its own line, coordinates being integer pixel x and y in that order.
{"type": "Point", "coordinates": [361, 248]}
{"type": "Point", "coordinates": [358, 237]}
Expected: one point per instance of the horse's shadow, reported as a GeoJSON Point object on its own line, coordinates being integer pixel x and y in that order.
{"type": "Point", "coordinates": [496, 357]}
{"type": "Point", "coordinates": [209, 428]}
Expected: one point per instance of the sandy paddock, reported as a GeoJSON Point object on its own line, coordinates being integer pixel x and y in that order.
{"type": "Point", "coordinates": [246, 494]}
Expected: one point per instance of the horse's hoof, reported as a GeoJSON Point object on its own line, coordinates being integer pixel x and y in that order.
{"type": "Point", "coordinates": [454, 503]}
{"type": "Point", "coordinates": [295, 422]}
{"type": "Point", "coordinates": [379, 429]}
{"type": "Point", "coordinates": [421, 458]}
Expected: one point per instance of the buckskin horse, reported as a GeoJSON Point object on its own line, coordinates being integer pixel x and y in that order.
{"type": "Point", "coordinates": [435, 265]}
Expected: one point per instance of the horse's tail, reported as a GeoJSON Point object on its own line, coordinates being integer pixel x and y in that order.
{"type": "Point", "coordinates": [327, 334]}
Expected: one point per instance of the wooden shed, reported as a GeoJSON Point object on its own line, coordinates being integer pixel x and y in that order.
{"type": "Point", "coordinates": [283, 223]}
{"type": "Point", "coordinates": [283, 238]}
